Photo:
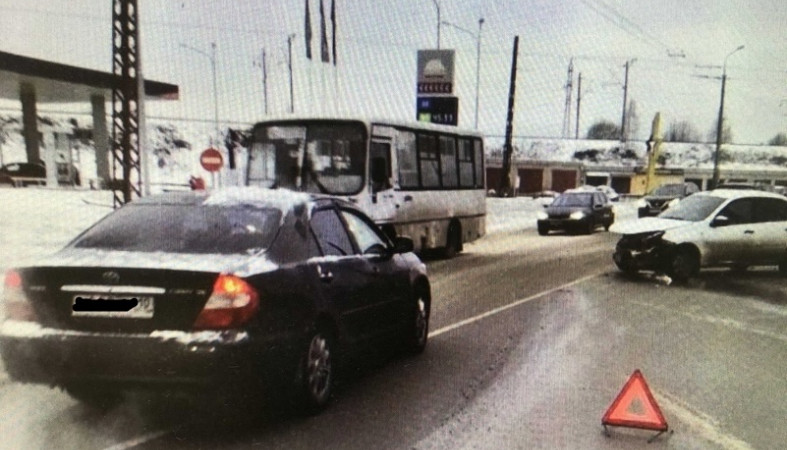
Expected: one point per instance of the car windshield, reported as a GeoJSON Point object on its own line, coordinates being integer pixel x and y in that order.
{"type": "Point", "coordinates": [184, 229]}
{"type": "Point", "coordinates": [693, 208]}
{"type": "Point", "coordinates": [573, 200]}
{"type": "Point", "coordinates": [669, 190]}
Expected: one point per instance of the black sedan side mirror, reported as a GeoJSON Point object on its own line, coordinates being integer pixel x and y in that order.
{"type": "Point", "coordinates": [403, 244]}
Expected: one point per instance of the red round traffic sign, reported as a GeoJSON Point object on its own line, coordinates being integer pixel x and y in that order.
{"type": "Point", "coordinates": [211, 160]}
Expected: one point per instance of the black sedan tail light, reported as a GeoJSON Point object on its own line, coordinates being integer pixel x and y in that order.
{"type": "Point", "coordinates": [232, 303]}
{"type": "Point", "coordinates": [17, 305]}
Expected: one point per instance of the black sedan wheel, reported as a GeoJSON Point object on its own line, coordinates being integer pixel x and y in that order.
{"type": "Point", "coordinates": [418, 330]}
{"type": "Point", "coordinates": [316, 372]}
{"type": "Point", "coordinates": [543, 230]}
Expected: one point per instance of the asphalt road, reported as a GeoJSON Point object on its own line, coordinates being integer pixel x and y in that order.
{"type": "Point", "coordinates": [531, 339]}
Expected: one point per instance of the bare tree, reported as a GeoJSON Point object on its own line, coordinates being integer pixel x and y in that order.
{"type": "Point", "coordinates": [6, 122]}
{"type": "Point", "coordinates": [780, 140]}
{"type": "Point", "coordinates": [726, 134]}
{"type": "Point", "coordinates": [604, 130]}
{"type": "Point", "coordinates": [682, 131]}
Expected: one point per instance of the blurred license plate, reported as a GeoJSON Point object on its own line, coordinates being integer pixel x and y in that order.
{"type": "Point", "coordinates": [130, 307]}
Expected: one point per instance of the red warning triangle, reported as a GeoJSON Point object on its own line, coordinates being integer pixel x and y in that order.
{"type": "Point", "coordinates": [635, 407]}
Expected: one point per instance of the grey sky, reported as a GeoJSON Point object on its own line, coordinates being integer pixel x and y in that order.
{"type": "Point", "coordinates": [377, 44]}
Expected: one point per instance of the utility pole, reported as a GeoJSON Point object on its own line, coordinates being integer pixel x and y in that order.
{"type": "Point", "coordinates": [477, 69]}
{"type": "Point", "coordinates": [719, 127]}
{"type": "Point", "coordinates": [567, 109]}
{"type": "Point", "coordinates": [126, 67]}
{"type": "Point", "coordinates": [507, 181]}
{"type": "Point", "coordinates": [437, 5]}
{"type": "Point", "coordinates": [623, 130]}
{"type": "Point", "coordinates": [289, 66]}
{"type": "Point", "coordinates": [264, 81]}
{"type": "Point", "coordinates": [579, 100]}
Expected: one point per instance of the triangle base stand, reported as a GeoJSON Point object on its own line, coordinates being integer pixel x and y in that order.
{"type": "Point", "coordinates": [653, 438]}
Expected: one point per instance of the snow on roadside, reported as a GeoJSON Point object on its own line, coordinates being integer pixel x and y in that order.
{"type": "Point", "coordinates": [37, 221]}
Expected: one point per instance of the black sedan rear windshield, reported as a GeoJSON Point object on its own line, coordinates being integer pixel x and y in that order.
{"type": "Point", "coordinates": [184, 229]}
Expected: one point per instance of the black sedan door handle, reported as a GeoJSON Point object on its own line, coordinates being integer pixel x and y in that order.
{"type": "Point", "coordinates": [748, 232]}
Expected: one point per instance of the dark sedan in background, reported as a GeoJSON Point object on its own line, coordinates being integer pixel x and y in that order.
{"type": "Point", "coordinates": [243, 288]}
{"type": "Point", "coordinates": [577, 211]}
{"type": "Point", "coordinates": [663, 197]}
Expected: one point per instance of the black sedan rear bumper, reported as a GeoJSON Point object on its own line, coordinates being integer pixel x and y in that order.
{"type": "Point", "coordinates": [36, 354]}
{"type": "Point", "coordinates": [564, 224]}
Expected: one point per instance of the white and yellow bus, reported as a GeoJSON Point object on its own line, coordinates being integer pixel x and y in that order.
{"type": "Point", "coordinates": [414, 179]}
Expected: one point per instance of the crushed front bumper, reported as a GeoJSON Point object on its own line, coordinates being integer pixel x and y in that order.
{"type": "Point", "coordinates": [632, 258]}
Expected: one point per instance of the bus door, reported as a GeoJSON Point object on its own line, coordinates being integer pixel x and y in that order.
{"type": "Point", "coordinates": [382, 199]}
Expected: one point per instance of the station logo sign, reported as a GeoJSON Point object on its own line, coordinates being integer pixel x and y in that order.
{"type": "Point", "coordinates": [435, 72]}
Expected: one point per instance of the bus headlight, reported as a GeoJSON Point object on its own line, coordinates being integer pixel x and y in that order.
{"type": "Point", "coordinates": [577, 215]}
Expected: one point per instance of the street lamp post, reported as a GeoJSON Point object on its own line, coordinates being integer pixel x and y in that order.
{"type": "Point", "coordinates": [477, 37]}
{"type": "Point", "coordinates": [720, 121]}
{"type": "Point", "coordinates": [212, 57]}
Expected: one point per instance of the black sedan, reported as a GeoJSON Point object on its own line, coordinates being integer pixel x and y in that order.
{"type": "Point", "coordinates": [577, 211]}
{"type": "Point", "coordinates": [243, 287]}
{"type": "Point", "coordinates": [664, 197]}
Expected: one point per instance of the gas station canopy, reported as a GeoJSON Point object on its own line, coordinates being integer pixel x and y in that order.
{"type": "Point", "coordinates": [61, 83]}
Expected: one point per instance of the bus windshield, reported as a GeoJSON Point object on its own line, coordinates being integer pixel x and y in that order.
{"type": "Point", "coordinates": [316, 157]}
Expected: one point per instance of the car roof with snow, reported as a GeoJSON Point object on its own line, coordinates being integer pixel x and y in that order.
{"type": "Point", "coordinates": [283, 199]}
{"type": "Point", "coordinates": [739, 193]}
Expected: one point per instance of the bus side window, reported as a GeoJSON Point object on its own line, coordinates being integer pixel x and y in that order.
{"type": "Point", "coordinates": [429, 161]}
{"type": "Point", "coordinates": [478, 160]}
{"type": "Point", "coordinates": [465, 163]}
{"type": "Point", "coordinates": [380, 169]}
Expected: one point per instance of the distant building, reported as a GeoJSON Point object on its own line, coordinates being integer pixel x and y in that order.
{"type": "Point", "coordinates": [560, 164]}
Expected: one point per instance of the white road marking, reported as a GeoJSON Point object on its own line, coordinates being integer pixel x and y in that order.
{"type": "Point", "coordinates": [139, 440]}
{"type": "Point", "coordinates": [703, 424]}
{"type": "Point", "coordinates": [516, 303]}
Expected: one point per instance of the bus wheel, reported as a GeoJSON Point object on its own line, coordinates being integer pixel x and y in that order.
{"type": "Point", "coordinates": [453, 241]}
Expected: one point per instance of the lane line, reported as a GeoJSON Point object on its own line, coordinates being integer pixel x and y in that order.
{"type": "Point", "coordinates": [139, 440]}
{"type": "Point", "coordinates": [706, 426]}
{"type": "Point", "coordinates": [516, 303]}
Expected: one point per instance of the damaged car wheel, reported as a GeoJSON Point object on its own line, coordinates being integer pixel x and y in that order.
{"type": "Point", "coordinates": [684, 264]}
